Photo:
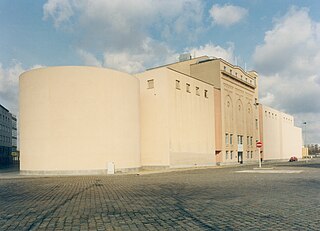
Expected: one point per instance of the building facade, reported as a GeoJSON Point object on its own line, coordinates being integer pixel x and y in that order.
{"type": "Point", "coordinates": [281, 139]}
{"type": "Point", "coordinates": [78, 120]}
{"type": "Point", "coordinates": [235, 104]}
{"type": "Point", "coordinates": [6, 136]}
{"type": "Point", "coordinates": [177, 119]}
{"type": "Point", "coordinates": [196, 112]}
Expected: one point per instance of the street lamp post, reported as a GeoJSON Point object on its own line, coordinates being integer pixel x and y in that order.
{"type": "Point", "coordinates": [305, 134]}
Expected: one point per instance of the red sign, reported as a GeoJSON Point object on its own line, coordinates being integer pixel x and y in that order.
{"type": "Point", "coordinates": [259, 144]}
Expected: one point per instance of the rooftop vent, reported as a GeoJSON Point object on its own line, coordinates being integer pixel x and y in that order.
{"type": "Point", "coordinates": [184, 57]}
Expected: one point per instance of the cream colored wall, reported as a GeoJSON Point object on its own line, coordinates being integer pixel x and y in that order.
{"type": "Point", "coordinates": [238, 88]}
{"type": "Point", "coordinates": [281, 139]}
{"type": "Point", "coordinates": [177, 127]}
{"type": "Point", "coordinates": [154, 110]}
{"type": "Point", "coordinates": [78, 119]}
{"type": "Point", "coordinates": [272, 133]}
{"type": "Point", "coordinates": [192, 139]}
{"type": "Point", "coordinates": [207, 72]}
{"type": "Point", "coordinates": [291, 138]}
{"type": "Point", "coordinates": [218, 119]}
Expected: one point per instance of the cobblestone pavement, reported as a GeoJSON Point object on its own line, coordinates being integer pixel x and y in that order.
{"type": "Point", "coordinates": [204, 199]}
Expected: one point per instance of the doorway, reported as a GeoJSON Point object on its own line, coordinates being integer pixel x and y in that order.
{"type": "Point", "coordinates": [240, 158]}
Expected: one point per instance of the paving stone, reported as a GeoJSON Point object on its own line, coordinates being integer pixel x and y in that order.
{"type": "Point", "coordinates": [203, 199]}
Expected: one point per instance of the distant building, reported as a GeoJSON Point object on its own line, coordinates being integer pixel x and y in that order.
{"type": "Point", "coordinates": [196, 112]}
{"type": "Point", "coordinates": [281, 139]}
{"type": "Point", "coordinates": [6, 136]}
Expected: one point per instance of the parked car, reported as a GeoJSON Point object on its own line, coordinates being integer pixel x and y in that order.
{"type": "Point", "coordinates": [293, 158]}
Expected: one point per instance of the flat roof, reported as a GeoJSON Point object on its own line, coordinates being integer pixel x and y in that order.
{"type": "Point", "coordinates": [4, 108]}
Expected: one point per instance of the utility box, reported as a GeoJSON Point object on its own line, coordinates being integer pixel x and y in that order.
{"type": "Point", "coordinates": [110, 168]}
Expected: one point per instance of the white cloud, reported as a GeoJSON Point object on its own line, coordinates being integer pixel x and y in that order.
{"type": "Point", "coordinates": [9, 85]}
{"type": "Point", "coordinates": [110, 33]}
{"type": "Point", "coordinates": [288, 62]}
{"type": "Point", "coordinates": [124, 23]}
{"type": "Point", "coordinates": [59, 10]}
{"type": "Point", "coordinates": [88, 58]}
{"type": "Point", "coordinates": [227, 15]}
{"type": "Point", "coordinates": [213, 50]}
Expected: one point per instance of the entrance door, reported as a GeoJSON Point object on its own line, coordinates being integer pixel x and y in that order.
{"type": "Point", "coordinates": [240, 159]}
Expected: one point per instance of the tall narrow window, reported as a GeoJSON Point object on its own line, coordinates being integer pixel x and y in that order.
{"type": "Point", "coordinates": [248, 140]}
{"type": "Point", "coordinates": [230, 138]}
{"type": "Point", "coordinates": [178, 84]}
{"type": "Point", "coordinates": [197, 91]}
{"type": "Point", "coordinates": [206, 93]}
{"type": "Point", "coordinates": [227, 155]}
{"type": "Point", "coordinates": [150, 83]}
{"type": "Point", "coordinates": [251, 140]}
{"type": "Point", "coordinates": [188, 87]}
{"type": "Point", "coordinates": [231, 154]}
{"type": "Point", "coordinates": [227, 138]}
{"type": "Point", "coordinates": [256, 123]}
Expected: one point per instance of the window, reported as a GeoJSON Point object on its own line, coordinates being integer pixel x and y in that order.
{"type": "Point", "coordinates": [240, 141]}
{"type": "Point", "coordinates": [251, 140]}
{"type": "Point", "coordinates": [256, 123]}
{"type": "Point", "coordinates": [197, 91]}
{"type": "Point", "coordinates": [227, 138]}
{"type": "Point", "coordinates": [150, 83]}
{"type": "Point", "coordinates": [206, 93]}
{"type": "Point", "coordinates": [178, 84]}
{"type": "Point", "coordinates": [188, 87]}
{"type": "Point", "coordinates": [225, 68]}
{"type": "Point", "coordinates": [231, 72]}
{"type": "Point", "coordinates": [248, 154]}
{"type": "Point", "coordinates": [236, 74]}
{"type": "Point", "coordinates": [248, 140]}
{"type": "Point", "coordinates": [231, 154]}
{"type": "Point", "coordinates": [251, 154]}
{"type": "Point", "coordinates": [227, 155]}
{"type": "Point", "coordinates": [230, 138]}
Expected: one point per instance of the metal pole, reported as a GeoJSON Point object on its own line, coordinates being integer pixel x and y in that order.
{"type": "Point", "coordinates": [305, 134]}
{"type": "Point", "coordinates": [259, 158]}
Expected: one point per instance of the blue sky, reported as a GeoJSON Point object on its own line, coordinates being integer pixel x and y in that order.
{"type": "Point", "coordinates": [280, 39]}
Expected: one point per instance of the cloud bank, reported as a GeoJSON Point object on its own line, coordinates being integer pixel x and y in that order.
{"type": "Point", "coordinates": [288, 62]}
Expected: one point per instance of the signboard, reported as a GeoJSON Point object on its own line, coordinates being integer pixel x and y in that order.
{"type": "Point", "coordinates": [240, 147]}
{"type": "Point", "coordinates": [259, 144]}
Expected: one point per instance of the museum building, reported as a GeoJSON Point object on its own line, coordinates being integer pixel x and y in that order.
{"type": "Point", "coordinates": [196, 112]}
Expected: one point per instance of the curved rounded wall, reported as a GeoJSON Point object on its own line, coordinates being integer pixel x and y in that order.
{"type": "Point", "coordinates": [75, 119]}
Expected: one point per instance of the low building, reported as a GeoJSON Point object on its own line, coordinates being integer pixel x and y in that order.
{"type": "Point", "coordinates": [5, 136]}
{"type": "Point", "coordinates": [196, 112]}
{"type": "Point", "coordinates": [78, 120]}
{"type": "Point", "coordinates": [281, 139]}
{"type": "Point", "coordinates": [177, 119]}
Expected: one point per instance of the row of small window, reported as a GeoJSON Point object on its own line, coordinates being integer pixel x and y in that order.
{"type": "Point", "coordinates": [236, 74]}
{"type": "Point", "coordinates": [273, 115]}
{"type": "Point", "coordinates": [4, 128]}
{"type": "Point", "coordinates": [150, 83]}
{"type": "Point", "coordinates": [5, 139]}
{"type": "Point", "coordinates": [249, 155]}
{"type": "Point", "coordinates": [229, 139]}
{"type": "Point", "coordinates": [4, 118]}
{"type": "Point", "coordinates": [188, 89]}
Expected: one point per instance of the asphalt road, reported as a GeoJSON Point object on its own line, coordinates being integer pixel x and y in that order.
{"type": "Point", "coordinates": [286, 197]}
